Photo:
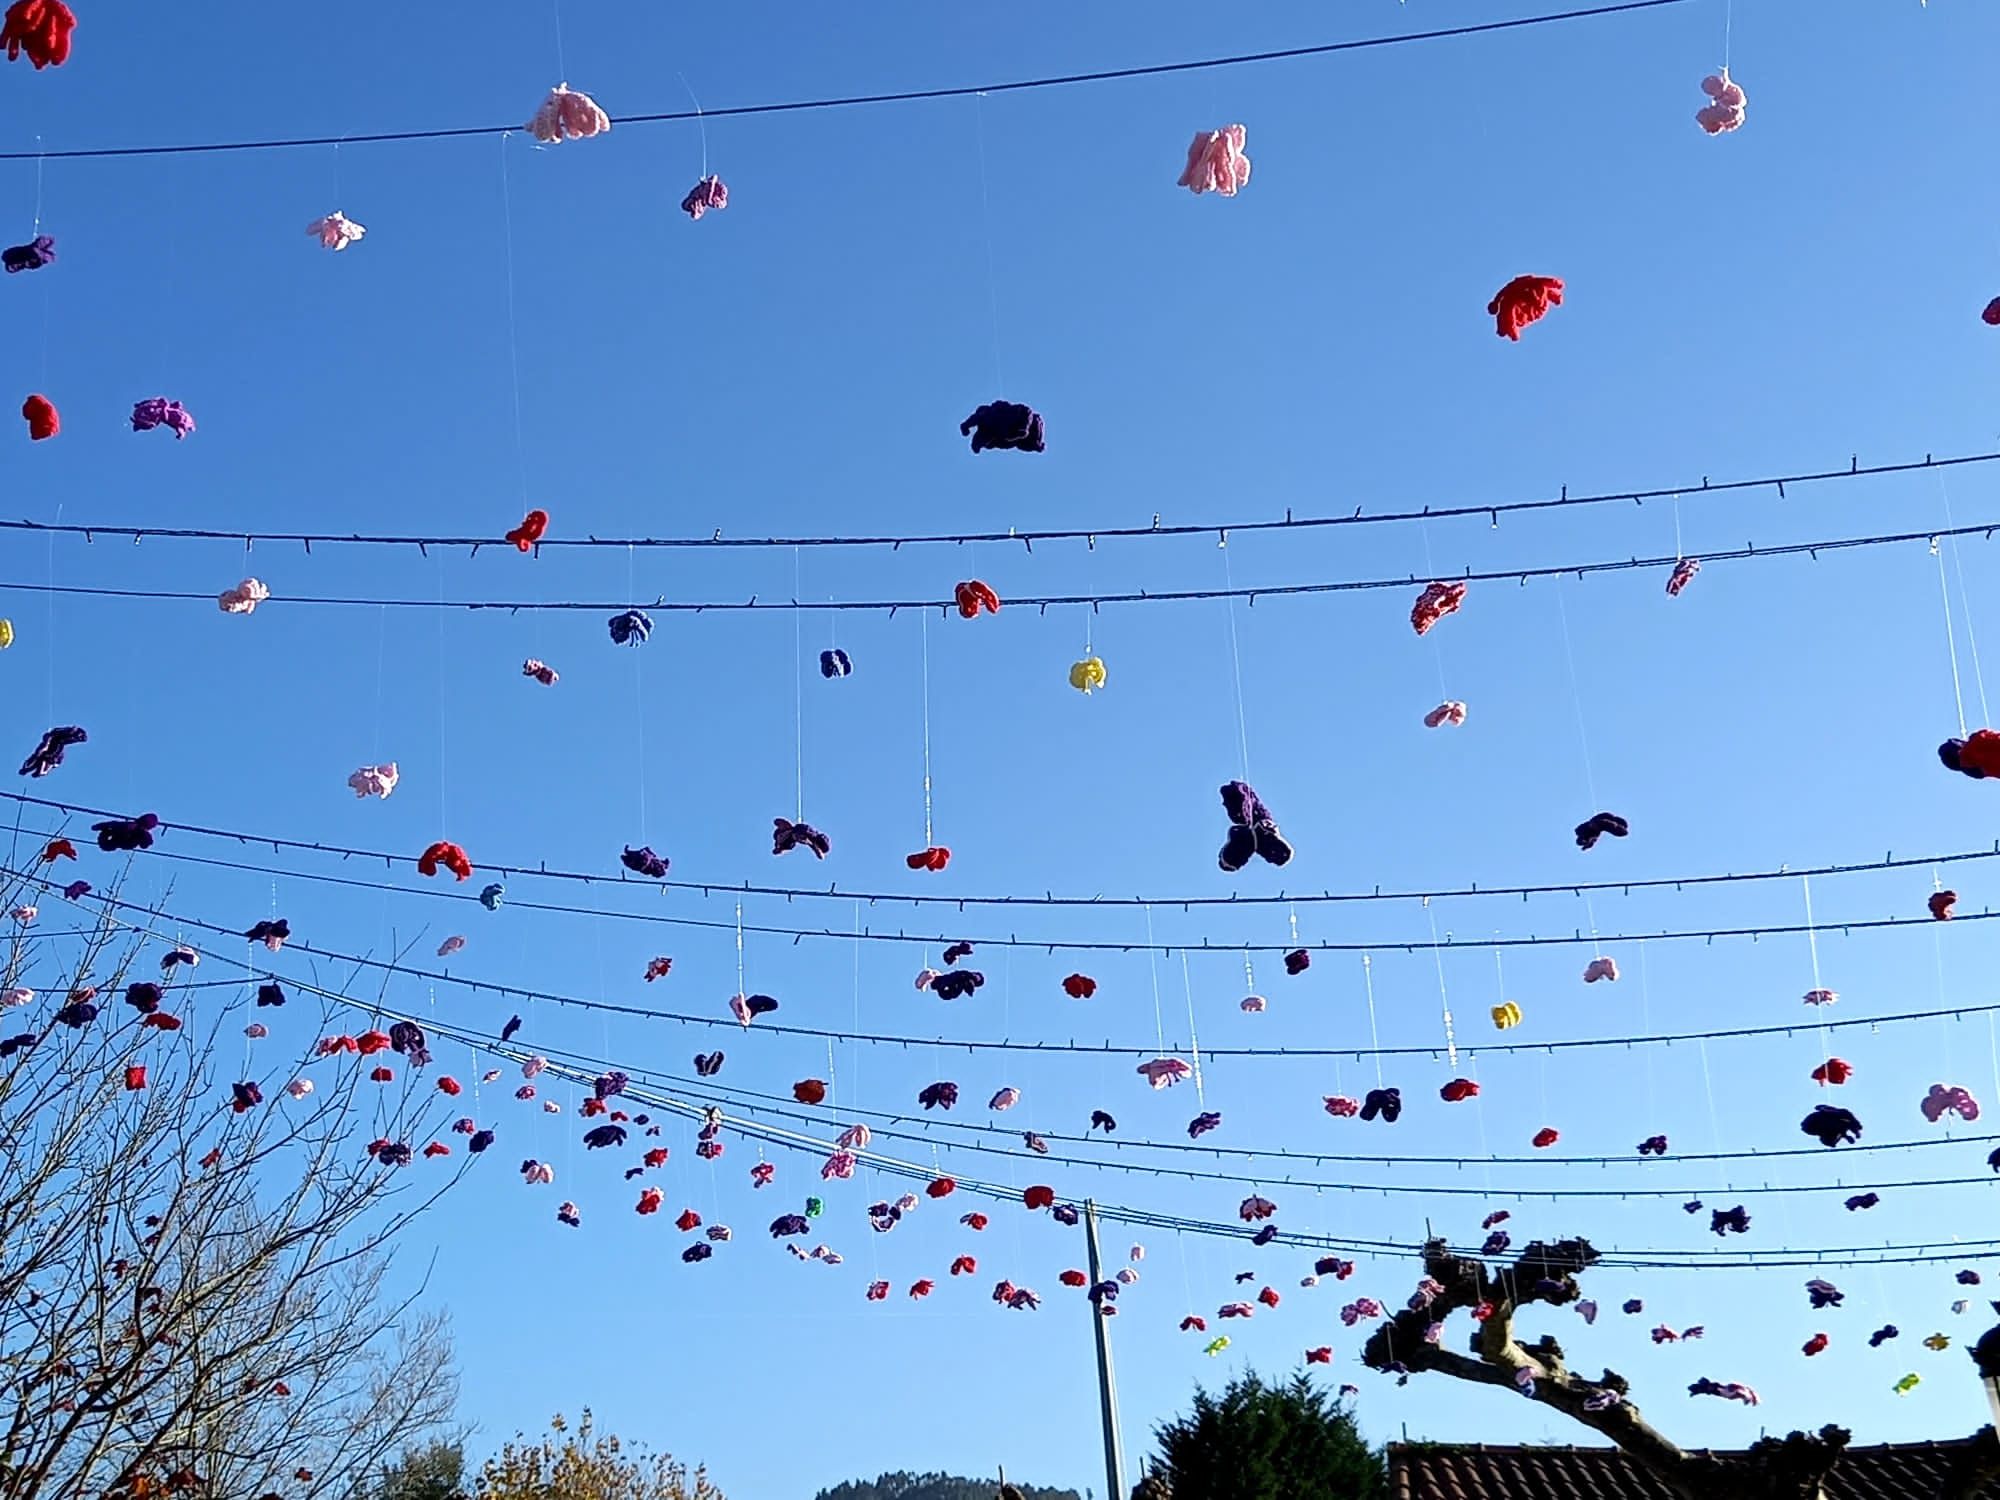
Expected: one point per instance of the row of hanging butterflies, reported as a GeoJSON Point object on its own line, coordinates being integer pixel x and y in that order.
{"type": "Point", "coordinates": [1217, 161]}
{"type": "Point", "coordinates": [1252, 831]}
{"type": "Point", "coordinates": [883, 1217]}
{"type": "Point", "coordinates": [1832, 1126]}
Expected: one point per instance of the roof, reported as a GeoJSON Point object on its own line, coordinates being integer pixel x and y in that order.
{"type": "Point", "coordinates": [1481, 1471]}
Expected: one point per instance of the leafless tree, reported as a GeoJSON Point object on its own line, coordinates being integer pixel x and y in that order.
{"type": "Point", "coordinates": [195, 1296]}
{"type": "Point", "coordinates": [1411, 1341]}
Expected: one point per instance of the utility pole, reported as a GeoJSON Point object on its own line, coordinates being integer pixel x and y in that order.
{"type": "Point", "coordinates": [1107, 1384]}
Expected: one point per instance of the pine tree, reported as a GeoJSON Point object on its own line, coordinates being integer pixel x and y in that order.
{"type": "Point", "coordinates": [1264, 1442]}
{"type": "Point", "coordinates": [434, 1472]}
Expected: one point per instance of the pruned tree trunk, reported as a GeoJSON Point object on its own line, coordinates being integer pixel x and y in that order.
{"type": "Point", "coordinates": [1793, 1467]}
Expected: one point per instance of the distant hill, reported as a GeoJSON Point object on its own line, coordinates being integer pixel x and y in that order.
{"type": "Point", "coordinates": [905, 1486]}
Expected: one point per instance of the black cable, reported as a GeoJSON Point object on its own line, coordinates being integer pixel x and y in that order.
{"type": "Point", "coordinates": [1392, 1188]}
{"type": "Point", "coordinates": [1065, 945]}
{"type": "Point", "coordinates": [902, 97]}
{"type": "Point", "coordinates": [1670, 1259]}
{"type": "Point", "coordinates": [780, 1029]}
{"type": "Point", "coordinates": [1779, 1258]}
{"type": "Point", "coordinates": [1184, 903]}
{"type": "Point", "coordinates": [1042, 601]}
{"type": "Point", "coordinates": [637, 1090]}
{"type": "Point", "coordinates": [831, 1118]}
{"type": "Point", "coordinates": [1955, 1250]}
{"type": "Point", "coordinates": [828, 1116]}
{"type": "Point", "coordinates": [1027, 539]}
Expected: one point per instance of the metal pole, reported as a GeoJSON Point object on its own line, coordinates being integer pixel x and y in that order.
{"type": "Point", "coordinates": [1107, 1384]}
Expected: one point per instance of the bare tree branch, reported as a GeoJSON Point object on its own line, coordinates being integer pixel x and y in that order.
{"type": "Point", "coordinates": [195, 1298]}
{"type": "Point", "coordinates": [1410, 1342]}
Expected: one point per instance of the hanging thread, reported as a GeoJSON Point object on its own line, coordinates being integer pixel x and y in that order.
{"type": "Point", "coordinates": [47, 283]}
{"type": "Point", "coordinates": [513, 337]}
{"type": "Point", "coordinates": [925, 615]}
{"type": "Point", "coordinates": [638, 693]}
{"type": "Point", "coordinates": [798, 696]}
{"type": "Point", "coordinates": [1965, 604]}
{"type": "Point", "coordinates": [1374, 1036]}
{"type": "Point", "coordinates": [1436, 642]}
{"type": "Point", "coordinates": [1937, 946]}
{"type": "Point", "coordinates": [1194, 1035]}
{"type": "Point", "coordinates": [1153, 963]}
{"type": "Point", "coordinates": [986, 235]}
{"type": "Point", "coordinates": [1708, 1088]}
{"type": "Point", "coordinates": [1646, 1019]}
{"type": "Point", "coordinates": [1576, 697]}
{"type": "Point", "coordinates": [739, 950]}
{"type": "Point", "coordinates": [1950, 637]}
{"type": "Point", "coordinates": [1444, 996]}
{"type": "Point", "coordinates": [49, 641]}
{"type": "Point", "coordinates": [700, 120]}
{"type": "Point", "coordinates": [1583, 734]}
{"type": "Point", "coordinates": [381, 656]}
{"type": "Point", "coordinates": [444, 712]}
{"type": "Point", "coordinates": [1235, 660]}
{"type": "Point", "coordinates": [853, 1056]}
{"type": "Point", "coordinates": [1479, 1119]}
{"type": "Point", "coordinates": [1993, 1053]}
{"type": "Point", "coordinates": [1812, 948]}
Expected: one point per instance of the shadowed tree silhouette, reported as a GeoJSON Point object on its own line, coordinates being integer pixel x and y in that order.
{"type": "Point", "coordinates": [1264, 1442]}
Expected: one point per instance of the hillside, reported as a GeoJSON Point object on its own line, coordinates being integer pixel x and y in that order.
{"type": "Point", "coordinates": [905, 1486]}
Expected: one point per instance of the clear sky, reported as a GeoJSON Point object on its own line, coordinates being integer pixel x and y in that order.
{"type": "Point", "coordinates": [1765, 303]}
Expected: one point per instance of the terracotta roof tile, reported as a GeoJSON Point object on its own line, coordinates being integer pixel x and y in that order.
{"type": "Point", "coordinates": [1480, 1471]}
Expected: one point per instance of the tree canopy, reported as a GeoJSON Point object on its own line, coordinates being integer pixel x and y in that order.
{"type": "Point", "coordinates": [576, 1464]}
{"type": "Point", "coordinates": [1268, 1442]}
{"type": "Point", "coordinates": [435, 1471]}
{"type": "Point", "coordinates": [194, 1273]}
{"type": "Point", "coordinates": [903, 1485]}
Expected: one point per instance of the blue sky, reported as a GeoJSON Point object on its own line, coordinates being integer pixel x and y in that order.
{"type": "Point", "coordinates": [1775, 301]}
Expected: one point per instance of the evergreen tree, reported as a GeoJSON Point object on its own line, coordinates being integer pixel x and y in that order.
{"type": "Point", "coordinates": [1265, 1442]}
{"type": "Point", "coordinates": [433, 1472]}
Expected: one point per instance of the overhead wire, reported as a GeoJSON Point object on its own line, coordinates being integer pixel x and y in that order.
{"type": "Point", "coordinates": [1604, 10]}
{"type": "Point", "coordinates": [1184, 902]}
{"type": "Point", "coordinates": [1593, 939]}
{"type": "Point", "coordinates": [1747, 553]}
{"type": "Point", "coordinates": [1390, 1188]}
{"type": "Point", "coordinates": [1666, 1258]}
{"type": "Point", "coordinates": [1662, 1259]}
{"type": "Point", "coordinates": [904, 96]}
{"type": "Point", "coordinates": [774, 1028]}
{"type": "Point", "coordinates": [1776, 1258]}
{"type": "Point", "coordinates": [1657, 1259]}
{"type": "Point", "coordinates": [785, 1107]}
{"type": "Point", "coordinates": [248, 540]}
